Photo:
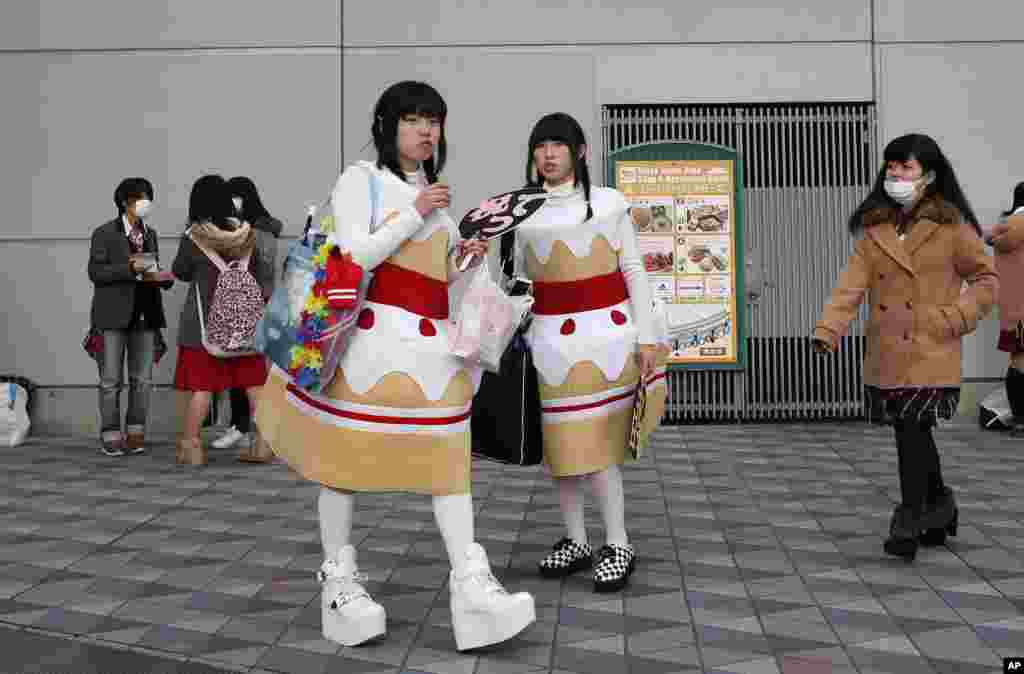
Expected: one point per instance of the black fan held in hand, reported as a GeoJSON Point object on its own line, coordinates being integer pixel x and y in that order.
{"type": "Point", "coordinates": [500, 214]}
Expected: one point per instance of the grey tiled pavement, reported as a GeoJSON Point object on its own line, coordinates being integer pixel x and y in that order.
{"type": "Point", "coordinates": [759, 553]}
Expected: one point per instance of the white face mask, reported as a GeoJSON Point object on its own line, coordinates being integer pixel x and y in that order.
{"type": "Point", "coordinates": [237, 201]}
{"type": "Point", "coordinates": [904, 192]}
{"type": "Point", "coordinates": [142, 208]}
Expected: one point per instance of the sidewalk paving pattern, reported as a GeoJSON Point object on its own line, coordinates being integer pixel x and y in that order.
{"type": "Point", "coordinates": [759, 551]}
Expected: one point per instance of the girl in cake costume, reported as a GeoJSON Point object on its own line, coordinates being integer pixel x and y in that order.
{"type": "Point", "coordinates": [396, 416]}
{"type": "Point", "coordinates": [918, 244]}
{"type": "Point", "coordinates": [593, 336]}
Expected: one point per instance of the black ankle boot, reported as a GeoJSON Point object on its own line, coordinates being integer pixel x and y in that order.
{"type": "Point", "coordinates": [1015, 396]}
{"type": "Point", "coordinates": [903, 532]}
{"type": "Point", "coordinates": [940, 520]}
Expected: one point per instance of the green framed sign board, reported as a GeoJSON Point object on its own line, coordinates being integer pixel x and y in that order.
{"type": "Point", "coordinates": [687, 208]}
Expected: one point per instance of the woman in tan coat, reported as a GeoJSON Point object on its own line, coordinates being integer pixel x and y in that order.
{"type": "Point", "coordinates": [1007, 238]}
{"type": "Point", "coordinates": [920, 242]}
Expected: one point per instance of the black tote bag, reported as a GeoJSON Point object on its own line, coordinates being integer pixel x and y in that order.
{"type": "Point", "coordinates": [506, 421]}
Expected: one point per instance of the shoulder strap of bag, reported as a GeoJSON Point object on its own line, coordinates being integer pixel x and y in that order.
{"type": "Point", "coordinates": [374, 199]}
{"type": "Point", "coordinates": [508, 240]}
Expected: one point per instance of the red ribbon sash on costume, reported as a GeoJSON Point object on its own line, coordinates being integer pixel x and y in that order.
{"type": "Point", "coordinates": [409, 290]}
{"type": "Point", "coordinates": [570, 297]}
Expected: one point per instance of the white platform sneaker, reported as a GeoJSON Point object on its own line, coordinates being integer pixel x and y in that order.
{"type": "Point", "coordinates": [232, 436]}
{"type": "Point", "coordinates": [483, 612]}
{"type": "Point", "coordinates": [348, 614]}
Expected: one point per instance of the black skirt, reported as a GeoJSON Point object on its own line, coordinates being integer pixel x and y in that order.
{"type": "Point", "coordinates": [922, 404]}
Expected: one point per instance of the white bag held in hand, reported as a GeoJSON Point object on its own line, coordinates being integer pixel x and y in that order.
{"type": "Point", "coordinates": [14, 421]}
{"type": "Point", "coordinates": [486, 320]}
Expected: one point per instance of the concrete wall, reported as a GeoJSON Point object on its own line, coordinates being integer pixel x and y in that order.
{"type": "Point", "coordinates": [282, 92]}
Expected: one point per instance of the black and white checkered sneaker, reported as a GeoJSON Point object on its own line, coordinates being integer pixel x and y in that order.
{"type": "Point", "coordinates": [614, 566]}
{"type": "Point", "coordinates": [568, 556]}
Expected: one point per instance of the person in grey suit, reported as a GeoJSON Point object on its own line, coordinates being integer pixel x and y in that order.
{"type": "Point", "coordinates": [127, 311]}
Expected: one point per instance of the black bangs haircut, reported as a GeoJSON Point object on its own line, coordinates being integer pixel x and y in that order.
{"type": "Point", "coordinates": [399, 100]}
{"type": "Point", "coordinates": [131, 189]}
{"type": "Point", "coordinates": [1018, 199]}
{"type": "Point", "coordinates": [210, 201]}
{"type": "Point", "coordinates": [562, 128]}
{"type": "Point", "coordinates": [926, 151]}
{"type": "Point", "coordinates": [252, 206]}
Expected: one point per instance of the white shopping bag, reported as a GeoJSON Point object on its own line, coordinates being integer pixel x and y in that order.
{"type": "Point", "coordinates": [14, 421]}
{"type": "Point", "coordinates": [485, 320]}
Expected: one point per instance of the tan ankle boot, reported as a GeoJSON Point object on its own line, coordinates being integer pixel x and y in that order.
{"type": "Point", "coordinates": [191, 452]}
{"type": "Point", "coordinates": [256, 450]}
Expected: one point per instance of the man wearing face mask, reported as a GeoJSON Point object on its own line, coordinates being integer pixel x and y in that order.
{"type": "Point", "coordinates": [127, 314]}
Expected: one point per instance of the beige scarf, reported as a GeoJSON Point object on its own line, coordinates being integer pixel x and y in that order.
{"type": "Point", "coordinates": [229, 244]}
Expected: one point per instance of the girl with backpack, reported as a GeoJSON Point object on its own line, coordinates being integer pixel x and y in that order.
{"type": "Point", "coordinates": [396, 415]}
{"type": "Point", "coordinates": [213, 239]}
{"type": "Point", "coordinates": [248, 208]}
{"type": "Point", "coordinates": [919, 242]}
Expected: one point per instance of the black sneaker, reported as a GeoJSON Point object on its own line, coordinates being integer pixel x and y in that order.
{"type": "Point", "coordinates": [614, 567]}
{"type": "Point", "coordinates": [567, 557]}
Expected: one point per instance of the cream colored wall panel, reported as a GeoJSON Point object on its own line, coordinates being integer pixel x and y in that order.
{"type": "Point", "coordinates": [455, 22]}
{"type": "Point", "coordinates": [970, 114]}
{"type": "Point", "coordinates": [928, 21]}
{"type": "Point", "coordinates": [75, 124]}
{"type": "Point", "coordinates": [734, 73]}
{"type": "Point", "coordinates": [494, 98]}
{"type": "Point", "coordinates": [123, 24]}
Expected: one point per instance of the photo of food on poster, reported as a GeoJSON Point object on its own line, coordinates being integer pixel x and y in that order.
{"type": "Point", "coordinates": [703, 254]}
{"type": "Point", "coordinates": [657, 253]}
{"type": "Point", "coordinates": [653, 216]}
{"type": "Point", "coordinates": [683, 212]}
{"type": "Point", "coordinates": [702, 214]}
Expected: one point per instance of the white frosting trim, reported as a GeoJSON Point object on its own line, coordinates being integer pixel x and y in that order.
{"type": "Point", "coordinates": [394, 344]}
{"type": "Point", "coordinates": [595, 339]}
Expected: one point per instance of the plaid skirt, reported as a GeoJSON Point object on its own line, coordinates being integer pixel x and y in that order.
{"type": "Point", "coordinates": [922, 404]}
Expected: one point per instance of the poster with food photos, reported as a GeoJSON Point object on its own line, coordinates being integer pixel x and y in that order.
{"type": "Point", "coordinates": [683, 213]}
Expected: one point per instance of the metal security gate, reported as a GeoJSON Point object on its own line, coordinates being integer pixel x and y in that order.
{"type": "Point", "coordinates": [808, 166]}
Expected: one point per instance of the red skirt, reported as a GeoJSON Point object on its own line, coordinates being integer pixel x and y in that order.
{"type": "Point", "coordinates": [197, 370]}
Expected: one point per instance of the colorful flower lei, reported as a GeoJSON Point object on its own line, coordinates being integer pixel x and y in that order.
{"type": "Point", "coordinates": [306, 355]}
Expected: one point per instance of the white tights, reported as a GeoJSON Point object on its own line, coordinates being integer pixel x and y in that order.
{"type": "Point", "coordinates": [606, 486]}
{"type": "Point", "coordinates": [454, 515]}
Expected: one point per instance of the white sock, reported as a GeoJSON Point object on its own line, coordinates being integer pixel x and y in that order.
{"type": "Point", "coordinates": [570, 497]}
{"type": "Point", "coordinates": [607, 486]}
{"type": "Point", "coordinates": [335, 520]}
{"type": "Point", "coordinates": [454, 515]}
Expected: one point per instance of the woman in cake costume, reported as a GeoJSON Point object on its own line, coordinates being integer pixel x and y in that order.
{"type": "Point", "coordinates": [919, 243]}
{"type": "Point", "coordinates": [593, 336]}
{"type": "Point", "coordinates": [396, 416]}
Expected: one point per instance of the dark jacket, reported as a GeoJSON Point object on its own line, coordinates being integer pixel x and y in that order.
{"type": "Point", "coordinates": [116, 287]}
{"type": "Point", "coordinates": [193, 267]}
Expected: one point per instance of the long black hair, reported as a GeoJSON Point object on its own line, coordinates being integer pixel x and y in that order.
{"type": "Point", "coordinates": [927, 152]}
{"type": "Point", "coordinates": [561, 127]}
{"type": "Point", "coordinates": [210, 201]}
{"type": "Point", "coordinates": [1018, 199]}
{"type": "Point", "coordinates": [398, 100]}
{"type": "Point", "coordinates": [252, 206]}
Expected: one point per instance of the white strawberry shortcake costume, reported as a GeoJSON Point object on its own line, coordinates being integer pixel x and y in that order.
{"type": "Point", "coordinates": [396, 416]}
{"type": "Point", "coordinates": [592, 307]}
